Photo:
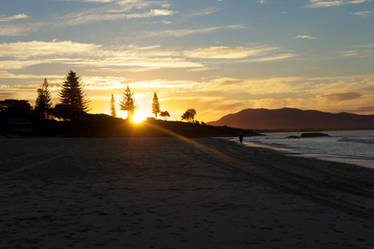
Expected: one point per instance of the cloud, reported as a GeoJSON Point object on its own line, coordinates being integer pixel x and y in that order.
{"type": "Point", "coordinates": [111, 10]}
{"type": "Point", "coordinates": [12, 18]}
{"type": "Point", "coordinates": [86, 17]}
{"type": "Point", "coordinates": [22, 50]}
{"type": "Point", "coordinates": [366, 46]}
{"type": "Point", "coordinates": [274, 58]}
{"type": "Point", "coordinates": [363, 109]}
{"type": "Point", "coordinates": [19, 55]}
{"type": "Point", "coordinates": [342, 96]}
{"type": "Point", "coordinates": [363, 13]}
{"type": "Point", "coordinates": [185, 32]}
{"type": "Point", "coordinates": [261, 1]}
{"type": "Point", "coordinates": [332, 3]}
{"type": "Point", "coordinates": [205, 12]}
{"type": "Point", "coordinates": [24, 54]}
{"type": "Point", "coordinates": [7, 75]}
{"type": "Point", "coordinates": [350, 53]}
{"type": "Point", "coordinates": [18, 29]}
{"type": "Point", "coordinates": [224, 52]}
{"type": "Point", "coordinates": [305, 37]}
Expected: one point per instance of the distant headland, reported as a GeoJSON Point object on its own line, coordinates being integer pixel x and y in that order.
{"type": "Point", "coordinates": [292, 119]}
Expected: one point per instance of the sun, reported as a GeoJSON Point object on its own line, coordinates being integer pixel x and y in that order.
{"type": "Point", "coordinates": [138, 117]}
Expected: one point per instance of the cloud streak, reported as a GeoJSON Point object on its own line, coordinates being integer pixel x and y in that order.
{"type": "Point", "coordinates": [12, 18]}
{"type": "Point", "coordinates": [185, 32]}
{"type": "Point", "coordinates": [305, 37]}
{"type": "Point", "coordinates": [363, 13]}
{"type": "Point", "coordinates": [332, 3]}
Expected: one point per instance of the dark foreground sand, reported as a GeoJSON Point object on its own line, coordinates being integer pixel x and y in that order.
{"type": "Point", "coordinates": [166, 193]}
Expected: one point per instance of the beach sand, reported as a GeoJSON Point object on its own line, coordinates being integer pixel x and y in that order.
{"type": "Point", "coordinates": [169, 193]}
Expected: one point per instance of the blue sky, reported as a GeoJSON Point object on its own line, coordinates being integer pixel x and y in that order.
{"type": "Point", "coordinates": [216, 56]}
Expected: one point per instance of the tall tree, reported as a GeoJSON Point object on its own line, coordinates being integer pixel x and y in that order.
{"type": "Point", "coordinates": [127, 103]}
{"type": "Point", "coordinates": [113, 111]}
{"type": "Point", "coordinates": [43, 102]}
{"type": "Point", "coordinates": [189, 115]}
{"type": "Point", "coordinates": [72, 94]}
{"type": "Point", "coordinates": [155, 105]}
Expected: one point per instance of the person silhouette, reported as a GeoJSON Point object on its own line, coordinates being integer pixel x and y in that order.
{"type": "Point", "coordinates": [241, 136]}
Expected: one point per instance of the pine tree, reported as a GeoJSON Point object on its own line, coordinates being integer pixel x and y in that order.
{"type": "Point", "coordinates": [155, 105]}
{"type": "Point", "coordinates": [127, 102]}
{"type": "Point", "coordinates": [43, 101]}
{"type": "Point", "coordinates": [72, 94]}
{"type": "Point", "coordinates": [113, 111]}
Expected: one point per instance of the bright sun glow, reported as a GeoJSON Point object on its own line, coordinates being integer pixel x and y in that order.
{"type": "Point", "coordinates": [138, 117]}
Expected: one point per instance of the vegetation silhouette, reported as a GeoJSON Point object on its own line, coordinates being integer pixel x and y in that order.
{"type": "Point", "coordinates": [113, 111]}
{"type": "Point", "coordinates": [73, 99]}
{"type": "Point", "coordinates": [189, 115]}
{"type": "Point", "coordinates": [155, 105]}
{"type": "Point", "coordinates": [14, 113]}
{"type": "Point", "coordinates": [43, 103]}
{"type": "Point", "coordinates": [69, 118]}
{"type": "Point", "coordinates": [165, 114]}
{"type": "Point", "coordinates": [127, 103]}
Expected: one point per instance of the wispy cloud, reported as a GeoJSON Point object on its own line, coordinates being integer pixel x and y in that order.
{"type": "Point", "coordinates": [23, 54]}
{"type": "Point", "coordinates": [305, 37]}
{"type": "Point", "coordinates": [363, 13]}
{"type": "Point", "coordinates": [350, 53]}
{"type": "Point", "coordinates": [20, 29]}
{"type": "Point", "coordinates": [23, 50]}
{"type": "Point", "coordinates": [94, 16]}
{"type": "Point", "coordinates": [342, 96]}
{"type": "Point", "coordinates": [185, 32]}
{"type": "Point", "coordinates": [332, 3]}
{"type": "Point", "coordinates": [4, 18]}
{"type": "Point", "coordinates": [276, 57]}
{"type": "Point", "coordinates": [205, 12]}
{"type": "Point", "coordinates": [366, 46]}
{"type": "Point", "coordinates": [224, 52]}
{"type": "Point", "coordinates": [110, 10]}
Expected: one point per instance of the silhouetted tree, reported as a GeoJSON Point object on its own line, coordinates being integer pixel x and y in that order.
{"type": "Point", "coordinates": [113, 111]}
{"type": "Point", "coordinates": [13, 107]}
{"type": "Point", "coordinates": [63, 111]}
{"type": "Point", "coordinates": [165, 114]}
{"type": "Point", "coordinates": [73, 95]}
{"type": "Point", "coordinates": [43, 101]}
{"type": "Point", "coordinates": [127, 102]}
{"type": "Point", "coordinates": [189, 115]}
{"type": "Point", "coordinates": [155, 105]}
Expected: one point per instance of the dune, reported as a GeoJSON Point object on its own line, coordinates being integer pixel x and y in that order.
{"type": "Point", "coordinates": [171, 193]}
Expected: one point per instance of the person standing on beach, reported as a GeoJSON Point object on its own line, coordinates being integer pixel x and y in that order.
{"type": "Point", "coordinates": [241, 136]}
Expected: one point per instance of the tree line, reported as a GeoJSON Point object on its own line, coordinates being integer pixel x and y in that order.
{"type": "Point", "coordinates": [74, 102]}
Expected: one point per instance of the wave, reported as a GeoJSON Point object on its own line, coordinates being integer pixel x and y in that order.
{"type": "Point", "coordinates": [357, 140]}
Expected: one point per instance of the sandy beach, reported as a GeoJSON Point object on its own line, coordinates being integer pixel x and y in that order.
{"type": "Point", "coordinates": [172, 193]}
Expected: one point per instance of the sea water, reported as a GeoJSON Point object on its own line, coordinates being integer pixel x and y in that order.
{"type": "Point", "coordinates": [354, 147]}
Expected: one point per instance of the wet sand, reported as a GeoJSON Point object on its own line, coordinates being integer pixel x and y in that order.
{"type": "Point", "coordinates": [167, 193]}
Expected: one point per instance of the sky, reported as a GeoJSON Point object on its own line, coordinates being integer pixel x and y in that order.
{"type": "Point", "coordinates": [217, 56]}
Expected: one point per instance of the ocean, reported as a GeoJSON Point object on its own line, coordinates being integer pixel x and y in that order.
{"type": "Point", "coordinates": [354, 147]}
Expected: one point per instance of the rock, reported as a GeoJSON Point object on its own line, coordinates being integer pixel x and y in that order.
{"type": "Point", "coordinates": [293, 137]}
{"type": "Point", "coordinates": [314, 134]}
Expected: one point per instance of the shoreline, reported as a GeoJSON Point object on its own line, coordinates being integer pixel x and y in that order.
{"type": "Point", "coordinates": [309, 147]}
{"type": "Point", "coordinates": [168, 193]}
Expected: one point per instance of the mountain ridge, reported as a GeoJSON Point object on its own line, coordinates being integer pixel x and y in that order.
{"type": "Point", "coordinates": [294, 119]}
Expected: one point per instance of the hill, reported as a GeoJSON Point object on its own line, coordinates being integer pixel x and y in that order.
{"type": "Point", "coordinates": [295, 119]}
